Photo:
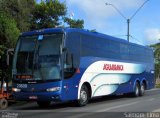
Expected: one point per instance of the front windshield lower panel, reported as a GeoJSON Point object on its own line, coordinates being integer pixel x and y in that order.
{"type": "Point", "coordinates": [38, 58]}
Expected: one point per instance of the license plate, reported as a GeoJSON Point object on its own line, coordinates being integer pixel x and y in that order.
{"type": "Point", "coordinates": [21, 85]}
{"type": "Point", "coordinates": [33, 97]}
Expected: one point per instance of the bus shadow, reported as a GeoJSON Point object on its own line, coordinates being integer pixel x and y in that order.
{"type": "Point", "coordinates": [94, 101]}
{"type": "Point", "coordinates": [108, 98]}
{"type": "Point", "coordinates": [97, 100]}
{"type": "Point", "coordinates": [51, 107]}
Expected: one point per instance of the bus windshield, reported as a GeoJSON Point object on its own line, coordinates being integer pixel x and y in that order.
{"type": "Point", "coordinates": [38, 57]}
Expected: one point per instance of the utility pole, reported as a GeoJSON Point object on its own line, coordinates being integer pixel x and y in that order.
{"type": "Point", "coordinates": [128, 26]}
{"type": "Point", "coordinates": [127, 19]}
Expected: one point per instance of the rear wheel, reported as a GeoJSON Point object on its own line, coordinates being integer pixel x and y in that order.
{"type": "Point", "coordinates": [136, 92]}
{"type": "Point", "coordinates": [43, 104]}
{"type": "Point", "coordinates": [3, 103]}
{"type": "Point", "coordinates": [142, 89]}
{"type": "Point", "coordinates": [84, 96]}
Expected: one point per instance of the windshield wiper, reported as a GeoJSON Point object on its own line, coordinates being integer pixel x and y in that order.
{"type": "Point", "coordinates": [35, 56]}
{"type": "Point", "coordinates": [35, 60]}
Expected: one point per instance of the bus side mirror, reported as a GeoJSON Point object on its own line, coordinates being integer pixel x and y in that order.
{"type": "Point", "coordinates": [9, 54]}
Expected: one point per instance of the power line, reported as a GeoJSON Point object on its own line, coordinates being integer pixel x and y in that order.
{"type": "Point", "coordinates": [139, 9]}
{"type": "Point", "coordinates": [139, 41]}
{"type": "Point", "coordinates": [127, 19]}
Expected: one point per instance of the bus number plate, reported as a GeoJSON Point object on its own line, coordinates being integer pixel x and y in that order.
{"type": "Point", "coordinates": [21, 85]}
{"type": "Point", "coordinates": [33, 97]}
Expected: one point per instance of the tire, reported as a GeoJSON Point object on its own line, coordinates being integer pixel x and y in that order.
{"type": "Point", "coordinates": [43, 104]}
{"type": "Point", "coordinates": [3, 103]}
{"type": "Point", "coordinates": [136, 92]}
{"type": "Point", "coordinates": [84, 96]}
{"type": "Point", "coordinates": [142, 89]}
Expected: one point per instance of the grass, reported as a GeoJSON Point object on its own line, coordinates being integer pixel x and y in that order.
{"type": "Point", "coordinates": [158, 86]}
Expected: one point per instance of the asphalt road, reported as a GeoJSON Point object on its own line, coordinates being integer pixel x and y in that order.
{"type": "Point", "coordinates": [121, 106]}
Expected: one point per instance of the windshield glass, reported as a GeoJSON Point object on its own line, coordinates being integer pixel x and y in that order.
{"type": "Point", "coordinates": [38, 56]}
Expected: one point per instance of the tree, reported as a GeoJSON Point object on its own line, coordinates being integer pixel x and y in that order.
{"type": "Point", "coordinates": [20, 11]}
{"type": "Point", "coordinates": [22, 15]}
{"type": "Point", "coordinates": [8, 37]}
{"type": "Point", "coordinates": [8, 31]}
{"type": "Point", "coordinates": [74, 23]}
{"type": "Point", "coordinates": [47, 14]}
{"type": "Point", "coordinates": [50, 14]}
{"type": "Point", "coordinates": [157, 59]}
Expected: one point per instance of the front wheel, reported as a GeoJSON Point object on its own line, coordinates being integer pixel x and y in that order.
{"type": "Point", "coordinates": [43, 104]}
{"type": "Point", "coordinates": [84, 96]}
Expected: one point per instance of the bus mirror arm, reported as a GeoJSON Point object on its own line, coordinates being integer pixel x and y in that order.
{"type": "Point", "coordinates": [64, 50]}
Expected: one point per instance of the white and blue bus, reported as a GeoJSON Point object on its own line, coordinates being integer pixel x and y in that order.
{"type": "Point", "coordinates": [65, 64]}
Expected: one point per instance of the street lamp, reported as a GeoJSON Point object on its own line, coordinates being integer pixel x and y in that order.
{"type": "Point", "coordinates": [127, 19]}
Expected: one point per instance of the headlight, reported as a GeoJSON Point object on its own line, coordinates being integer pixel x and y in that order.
{"type": "Point", "coordinates": [16, 90]}
{"type": "Point", "coordinates": [53, 89]}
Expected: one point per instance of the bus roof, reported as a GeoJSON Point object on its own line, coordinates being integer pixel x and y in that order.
{"type": "Point", "coordinates": [76, 30]}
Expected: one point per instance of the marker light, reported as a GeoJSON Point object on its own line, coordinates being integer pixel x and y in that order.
{"type": "Point", "coordinates": [24, 76]}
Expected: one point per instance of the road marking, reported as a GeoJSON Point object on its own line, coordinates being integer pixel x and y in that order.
{"type": "Point", "coordinates": [115, 107]}
{"type": "Point", "coordinates": [103, 110]}
{"type": "Point", "coordinates": [150, 99]}
{"type": "Point", "coordinates": [81, 115]}
{"type": "Point", "coordinates": [155, 89]}
{"type": "Point", "coordinates": [157, 110]}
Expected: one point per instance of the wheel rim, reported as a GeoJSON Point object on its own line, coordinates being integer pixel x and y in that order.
{"type": "Point", "coordinates": [142, 89]}
{"type": "Point", "coordinates": [137, 91]}
{"type": "Point", "coordinates": [83, 96]}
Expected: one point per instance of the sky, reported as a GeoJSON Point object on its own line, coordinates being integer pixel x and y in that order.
{"type": "Point", "coordinates": [144, 26]}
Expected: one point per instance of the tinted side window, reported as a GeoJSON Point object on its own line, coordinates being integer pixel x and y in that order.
{"type": "Point", "coordinates": [69, 69]}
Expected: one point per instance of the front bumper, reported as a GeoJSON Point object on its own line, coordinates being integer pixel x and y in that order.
{"type": "Point", "coordinates": [37, 96]}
